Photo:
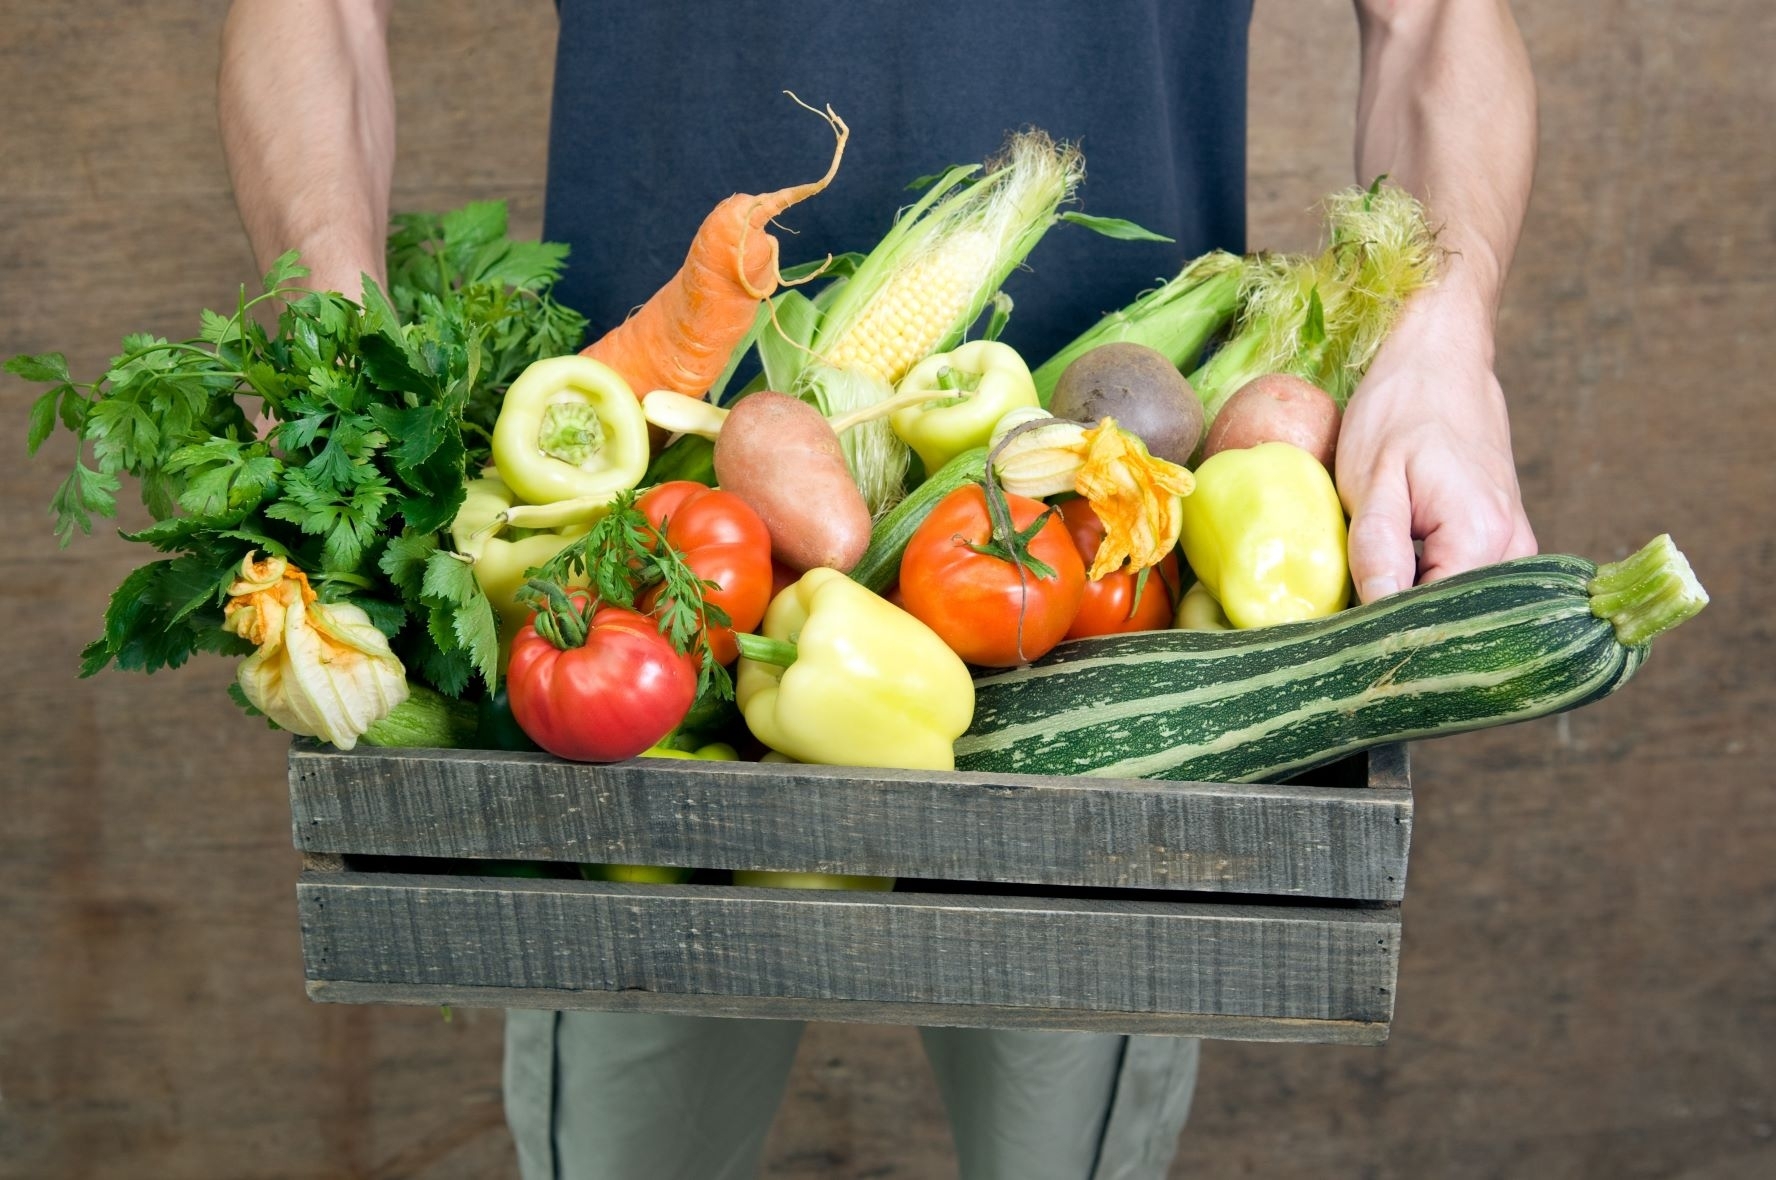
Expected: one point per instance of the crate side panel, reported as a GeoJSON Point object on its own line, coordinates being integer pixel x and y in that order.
{"type": "Point", "coordinates": [1272, 839]}
{"type": "Point", "coordinates": [1185, 1024]}
{"type": "Point", "coordinates": [1101, 956]}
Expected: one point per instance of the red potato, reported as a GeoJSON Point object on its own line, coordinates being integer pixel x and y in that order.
{"type": "Point", "coordinates": [780, 456]}
{"type": "Point", "coordinates": [1277, 407]}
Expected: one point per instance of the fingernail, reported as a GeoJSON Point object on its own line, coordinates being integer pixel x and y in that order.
{"type": "Point", "coordinates": [1380, 587]}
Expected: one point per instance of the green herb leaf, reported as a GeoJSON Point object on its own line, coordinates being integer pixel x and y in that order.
{"type": "Point", "coordinates": [404, 561]}
{"type": "Point", "coordinates": [451, 587]}
{"type": "Point", "coordinates": [419, 431]}
{"type": "Point", "coordinates": [287, 269]}
{"type": "Point", "coordinates": [49, 366]}
{"type": "Point", "coordinates": [85, 491]}
{"type": "Point", "coordinates": [219, 329]}
{"type": "Point", "coordinates": [43, 420]}
{"type": "Point", "coordinates": [474, 225]}
{"type": "Point", "coordinates": [347, 518]}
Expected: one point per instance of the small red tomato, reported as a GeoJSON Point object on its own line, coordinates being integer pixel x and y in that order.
{"type": "Point", "coordinates": [722, 541]}
{"type": "Point", "coordinates": [987, 610]}
{"type": "Point", "coordinates": [610, 698]}
{"type": "Point", "coordinates": [1109, 604]}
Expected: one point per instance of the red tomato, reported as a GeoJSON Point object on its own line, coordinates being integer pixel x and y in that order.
{"type": "Point", "coordinates": [1109, 604]}
{"type": "Point", "coordinates": [722, 541]}
{"type": "Point", "coordinates": [974, 600]}
{"type": "Point", "coordinates": [624, 690]}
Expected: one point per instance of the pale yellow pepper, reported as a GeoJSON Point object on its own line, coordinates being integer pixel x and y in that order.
{"type": "Point", "coordinates": [1264, 532]}
{"type": "Point", "coordinates": [846, 678]}
{"type": "Point", "coordinates": [480, 534]}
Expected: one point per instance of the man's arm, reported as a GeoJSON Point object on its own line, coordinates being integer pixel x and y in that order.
{"type": "Point", "coordinates": [308, 125]}
{"type": "Point", "coordinates": [1447, 110]}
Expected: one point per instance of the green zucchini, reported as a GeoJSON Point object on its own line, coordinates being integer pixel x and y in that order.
{"type": "Point", "coordinates": [879, 568]}
{"type": "Point", "coordinates": [426, 718]}
{"type": "Point", "coordinates": [1505, 643]}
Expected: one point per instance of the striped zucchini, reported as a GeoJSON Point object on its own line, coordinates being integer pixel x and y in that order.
{"type": "Point", "coordinates": [879, 567]}
{"type": "Point", "coordinates": [1505, 643]}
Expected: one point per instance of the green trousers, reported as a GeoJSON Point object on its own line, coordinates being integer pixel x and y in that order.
{"type": "Point", "coordinates": [617, 1095]}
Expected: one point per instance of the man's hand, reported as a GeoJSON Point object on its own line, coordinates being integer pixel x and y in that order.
{"type": "Point", "coordinates": [1425, 453]}
{"type": "Point", "coordinates": [1447, 110]}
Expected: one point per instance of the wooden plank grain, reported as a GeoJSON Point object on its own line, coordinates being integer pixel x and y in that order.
{"type": "Point", "coordinates": [1179, 1024]}
{"type": "Point", "coordinates": [1097, 956]}
{"type": "Point", "coordinates": [1286, 840]}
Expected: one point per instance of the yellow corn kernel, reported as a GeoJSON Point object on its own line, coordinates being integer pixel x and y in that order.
{"type": "Point", "coordinates": [919, 307]}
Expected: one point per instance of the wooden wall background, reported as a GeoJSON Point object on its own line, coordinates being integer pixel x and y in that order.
{"type": "Point", "coordinates": [1589, 977]}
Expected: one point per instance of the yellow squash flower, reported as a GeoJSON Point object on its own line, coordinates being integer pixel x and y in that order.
{"type": "Point", "coordinates": [322, 669]}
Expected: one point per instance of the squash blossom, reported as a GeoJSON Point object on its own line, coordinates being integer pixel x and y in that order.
{"type": "Point", "coordinates": [322, 669]}
{"type": "Point", "coordinates": [1139, 498]}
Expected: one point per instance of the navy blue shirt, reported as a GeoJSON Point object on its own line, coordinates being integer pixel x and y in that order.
{"type": "Point", "coordinates": [662, 108]}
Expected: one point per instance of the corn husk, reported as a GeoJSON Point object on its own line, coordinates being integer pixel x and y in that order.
{"type": "Point", "coordinates": [1324, 317]}
{"type": "Point", "coordinates": [923, 286]}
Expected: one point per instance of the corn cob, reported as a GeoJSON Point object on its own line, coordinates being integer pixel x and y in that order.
{"type": "Point", "coordinates": [925, 283]}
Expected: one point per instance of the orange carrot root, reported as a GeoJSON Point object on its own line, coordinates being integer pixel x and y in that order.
{"type": "Point", "coordinates": [682, 337]}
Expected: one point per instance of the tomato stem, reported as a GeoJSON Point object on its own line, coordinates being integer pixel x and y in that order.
{"type": "Point", "coordinates": [559, 619]}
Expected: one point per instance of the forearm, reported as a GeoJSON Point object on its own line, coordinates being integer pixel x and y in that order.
{"type": "Point", "coordinates": [1447, 109]}
{"type": "Point", "coordinates": [308, 125]}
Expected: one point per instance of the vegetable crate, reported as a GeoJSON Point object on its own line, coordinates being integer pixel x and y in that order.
{"type": "Point", "coordinates": [1245, 912]}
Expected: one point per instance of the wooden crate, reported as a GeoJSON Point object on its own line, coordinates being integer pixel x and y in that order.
{"type": "Point", "coordinates": [1247, 912]}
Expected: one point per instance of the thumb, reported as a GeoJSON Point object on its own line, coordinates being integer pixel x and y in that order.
{"type": "Point", "coordinates": [1381, 556]}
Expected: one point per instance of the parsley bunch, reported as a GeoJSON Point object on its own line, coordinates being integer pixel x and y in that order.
{"type": "Point", "coordinates": [377, 413]}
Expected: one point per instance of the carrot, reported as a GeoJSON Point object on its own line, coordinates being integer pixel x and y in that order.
{"type": "Point", "coordinates": [681, 338]}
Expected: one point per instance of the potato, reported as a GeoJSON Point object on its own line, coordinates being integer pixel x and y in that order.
{"type": "Point", "coordinates": [1277, 407]}
{"type": "Point", "coordinates": [780, 456]}
{"type": "Point", "coordinates": [1138, 387]}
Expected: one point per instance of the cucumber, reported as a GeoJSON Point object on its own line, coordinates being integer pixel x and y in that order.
{"type": "Point", "coordinates": [1505, 643]}
{"type": "Point", "coordinates": [879, 568]}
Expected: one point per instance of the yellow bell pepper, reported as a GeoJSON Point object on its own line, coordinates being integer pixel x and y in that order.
{"type": "Point", "coordinates": [968, 391]}
{"type": "Point", "coordinates": [1264, 532]}
{"type": "Point", "coordinates": [499, 562]}
{"type": "Point", "coordinates": [843, 677]}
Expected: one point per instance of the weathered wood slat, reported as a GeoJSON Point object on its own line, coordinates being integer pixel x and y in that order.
{"type": "Point", "coordinates": [1223, 1028]}
{"type": "Point", "coordinates": [1102, 957]}
{"type": "Point", "coordinates": [1308, 841]}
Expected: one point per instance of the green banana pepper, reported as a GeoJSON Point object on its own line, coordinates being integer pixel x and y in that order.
{"type": "Point", "coordinates": [970, 389]}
